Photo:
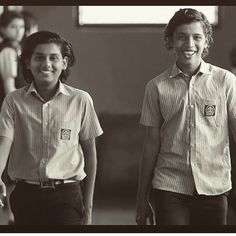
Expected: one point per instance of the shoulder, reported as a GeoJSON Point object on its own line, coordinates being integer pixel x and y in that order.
{"type": "Point", "coordinates": [78, 93]}
{"type": "Point", "coordinates": [216, 70]}
{"type": "Point", "coordinates": [159, 79]}
{"type": "Point", "coordinates": [16, 94]}
{"type": "Point", "coordinates": [221, 75]}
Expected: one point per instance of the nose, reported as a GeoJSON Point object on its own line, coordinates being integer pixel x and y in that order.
{"type": "Point", "coordinates": [46, 62]}
{"type": "Point", "coordinates": [190, 42]}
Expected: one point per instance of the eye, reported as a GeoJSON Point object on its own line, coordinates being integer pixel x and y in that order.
{"type": "Point", "coordinates": [54, 57]}
{"type": "Point", "coordinates": [181, 37]}
{"type": "Point", "coordinates": [198, 37]}
{"type": "Point", "coordinates": [38, 58]}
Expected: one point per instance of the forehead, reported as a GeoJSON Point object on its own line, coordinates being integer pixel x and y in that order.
{"type": "Point", "coordinates": [47, 48]}
{"type": "Point", "coordinates": [193, 28]}
{"type": "Point", "coordinates": [18, 21]}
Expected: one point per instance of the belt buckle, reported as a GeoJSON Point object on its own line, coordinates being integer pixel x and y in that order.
{"type": "Point", "coordinates": [47, 184]}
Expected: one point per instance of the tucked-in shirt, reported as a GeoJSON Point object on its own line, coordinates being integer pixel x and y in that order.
{"type": "Point", "coordinates": [193, 116]}
{"type": "Point", "coordinates": [46, 135]}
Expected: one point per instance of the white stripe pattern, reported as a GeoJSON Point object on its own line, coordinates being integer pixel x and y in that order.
{"type": "Point", "coordinates": [46, 134]}
{"type": "Point", "coordinates": [193, 115]}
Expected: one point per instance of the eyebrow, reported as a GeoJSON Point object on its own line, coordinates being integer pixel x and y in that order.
{"type": "Point", "coordinates": [52, 54]}
{"type": "Point", "coordinates": [184, 34]}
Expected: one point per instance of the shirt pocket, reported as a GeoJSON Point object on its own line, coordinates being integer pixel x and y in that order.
{"type": "Point", "coordinates": [66, 133]}
{"type": "Point", "coordinates": [209, 112]}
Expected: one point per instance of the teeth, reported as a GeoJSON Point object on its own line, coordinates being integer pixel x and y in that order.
{"type": "Point", "coordinates": [189, 53]}
{"type": "Point", "coordinates": [46, 72]}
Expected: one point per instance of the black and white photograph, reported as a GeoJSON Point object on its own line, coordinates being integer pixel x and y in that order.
{"type": "Point", "coordinates": [117, 118]}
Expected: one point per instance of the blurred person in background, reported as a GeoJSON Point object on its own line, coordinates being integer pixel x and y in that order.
{"type": "Point", "coordinates": [12, 30]}
{"type": "Point", "coordinates": [31, 23]}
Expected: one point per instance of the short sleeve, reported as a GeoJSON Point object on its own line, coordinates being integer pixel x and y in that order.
{"type": "Point", "coordinates": [8, 63]}
{"type": "Point", "coordinates": [90, 126]}
{"type": "Point", "coordinates": [151, 115]}
{"type": "Point", "coordinates": [7, 118]}
{"type": "Point", "coordinates": [231, 100]}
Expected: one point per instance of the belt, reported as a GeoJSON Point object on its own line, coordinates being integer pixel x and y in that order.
{"type": "Point", "coordinates": [51, 183]}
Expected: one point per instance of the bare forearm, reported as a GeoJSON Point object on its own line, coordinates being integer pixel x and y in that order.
{"type": "Point", "coordinates": [5, 146]}
{"type": "Point", "coordinates": [89, 182]}
{"type": "Point", "coordinates": [146, 172]}
{"type": "Point", "coordinates": [149, 157]}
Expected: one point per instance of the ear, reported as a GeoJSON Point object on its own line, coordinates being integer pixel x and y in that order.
{"type": "Point", "coordinates": [206, 43]}
{"type": "Point", "coordinates": [65, 63]}
{"type": "Point", "coordinates": [170, 42]}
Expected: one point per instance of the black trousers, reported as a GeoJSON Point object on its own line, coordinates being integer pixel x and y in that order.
{"type": "Point", "coordinates": [32, 205]}
{"type": "Point", "coordinates": [180, 209]}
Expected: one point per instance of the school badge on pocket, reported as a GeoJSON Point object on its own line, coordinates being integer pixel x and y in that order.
{"type": "Point", "coordinates": [210, 110]}
{"type": "Point", "coordinates": [65, 134]}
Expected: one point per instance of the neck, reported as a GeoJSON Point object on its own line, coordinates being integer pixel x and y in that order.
{"type": "Point", "coordinates": [189, 70]}
{"type": "Point", "coordinates": [46, 92]}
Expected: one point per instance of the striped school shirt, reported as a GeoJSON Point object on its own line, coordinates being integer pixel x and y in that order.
{"type": "Point", "coordinates": [193, 116]}
{"type": "Point", "coordinates": [46, 135]}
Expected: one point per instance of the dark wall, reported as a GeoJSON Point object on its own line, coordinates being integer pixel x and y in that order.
{"type": "Point", "coordinates": [114, 64]}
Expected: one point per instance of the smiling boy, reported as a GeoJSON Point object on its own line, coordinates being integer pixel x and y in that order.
{"type": "Point", "coordinates": [49, 129]}
{"type": "Point", "coordinates": [187, 111]}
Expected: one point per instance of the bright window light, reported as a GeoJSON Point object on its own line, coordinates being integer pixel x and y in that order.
{"type": "Point", "coordinates": [116, 15]}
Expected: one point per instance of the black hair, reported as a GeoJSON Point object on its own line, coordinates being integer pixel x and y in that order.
{"type": "Point", "coordinates": [44, 37]}
{"type": "Point", "coordinates": [186, 16]}
{"type": "Point", "coordinates": [30, 20]}
{"type": "Point", "coordinates": [7, 16]}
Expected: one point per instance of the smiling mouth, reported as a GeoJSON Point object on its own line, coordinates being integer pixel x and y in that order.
{"type": "Point", "coordinates": [189, 54]}
{"type": "Point", "coordinates": [45, 72]}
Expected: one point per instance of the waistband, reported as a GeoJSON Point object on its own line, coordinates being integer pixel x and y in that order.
{"type": "Point", "coordinates": [51, 183]}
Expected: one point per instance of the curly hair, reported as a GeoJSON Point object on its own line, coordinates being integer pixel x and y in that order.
{"type": "Point", "coordinates": [186, 16]}
{"type": "Point", "coordinates": [44, 37]}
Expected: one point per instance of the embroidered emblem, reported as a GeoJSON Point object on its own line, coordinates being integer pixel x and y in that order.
{"type": "Point", "coordinates": [65, 134]}
{"type": "Point", "coordinates": [210, 110]}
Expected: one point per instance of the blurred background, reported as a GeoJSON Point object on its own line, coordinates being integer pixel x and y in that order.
{"type": "Point", "coordinates": [114, 64]}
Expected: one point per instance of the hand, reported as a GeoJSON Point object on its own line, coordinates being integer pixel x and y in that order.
{"type": "Point", "coordinates": [144, 212]}
{"type": "Point", "coordinates": [87, 219]}
{"type": "Point", "coordinates": [3, 193]}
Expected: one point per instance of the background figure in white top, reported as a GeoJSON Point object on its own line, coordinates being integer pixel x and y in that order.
{"type": "Point", "coordinates": [12, 28]}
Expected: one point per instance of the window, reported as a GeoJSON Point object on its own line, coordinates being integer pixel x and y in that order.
{"type": "Point", "coordinates": [136, 15]}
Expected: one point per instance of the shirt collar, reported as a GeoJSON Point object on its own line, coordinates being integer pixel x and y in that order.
{"type": "Point", "coordinates": [204, 69]}
{"type": "Point", "coordinates": [61, 89]}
